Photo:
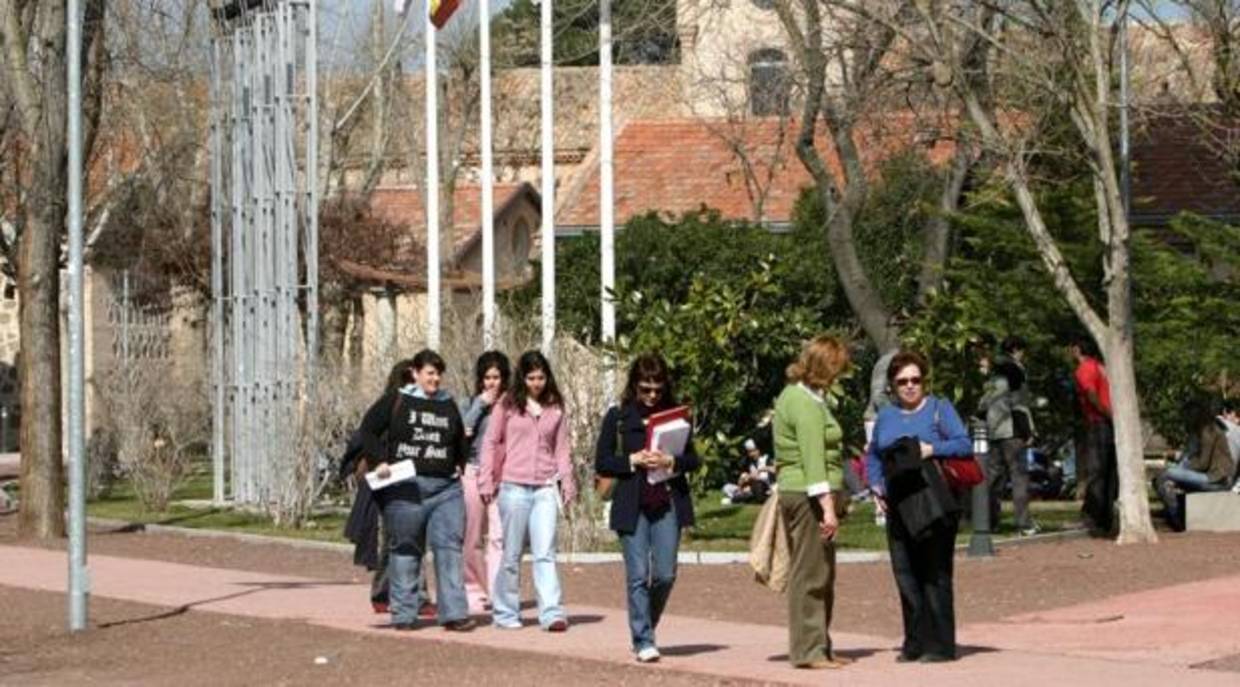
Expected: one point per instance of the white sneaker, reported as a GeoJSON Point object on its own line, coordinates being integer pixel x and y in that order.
{"type": "Point", "coordinates": [648, 654]}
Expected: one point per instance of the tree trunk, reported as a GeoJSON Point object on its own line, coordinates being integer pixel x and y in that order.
{"type": "Point", "coordinates": [357, 333]}
{"type": "Point", "coordinates": [38, 278]}
{"type": "Point", "coordinates": [939, 228]}
{"type": "Point", "coordinates": [841, 199]}
{"type": "Point", "coordinates": [1135, 525]}
{"type": "Point", "coordinates": [863, 298]}
{"type": "Point", "coordinates": [35, 69]}
{"type": "Point", "coordinates": [42, 470]}
{"type": "Point", "coordinates": [335, 327]}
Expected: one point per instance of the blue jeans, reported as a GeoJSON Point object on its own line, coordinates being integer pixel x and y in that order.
{"type": "Point", "coordinates": [1186, 479]}
{"type": "Point", "coordinates": [437, 515]}
{"type": "Point", "coordinates": [534, 509]}
{"type": "Point", "coordinates": [649, 572]}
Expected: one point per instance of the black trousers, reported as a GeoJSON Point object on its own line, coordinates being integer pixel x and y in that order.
{"type": "Point", "coordinates": [1103, 486]}
{"type": "Point", "coordinates": [923, 572]}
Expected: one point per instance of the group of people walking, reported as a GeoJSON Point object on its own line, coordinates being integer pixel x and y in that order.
{"type": "Point", "coordinates": [495, 472]}
{"type": "Point", "coordinates": [497, 464]}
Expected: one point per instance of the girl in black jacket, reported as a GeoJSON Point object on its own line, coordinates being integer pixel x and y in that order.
{"type": "Point", "coordinates": [647, 517]}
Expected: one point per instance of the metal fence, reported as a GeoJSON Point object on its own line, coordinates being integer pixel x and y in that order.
{"type": "Point", "coordinates": [264, 234]}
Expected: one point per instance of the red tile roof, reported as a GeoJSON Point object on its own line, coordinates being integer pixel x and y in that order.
{"type": "Point", "coordinates": [402, 206]}
{"type": "Point", "coordinates": [677, 166]}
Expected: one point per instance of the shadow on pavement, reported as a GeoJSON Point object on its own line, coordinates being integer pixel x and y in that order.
{"type": "Point", "coordinates": [854, 654]}
{"type": "Point", "coordinates": [255, 587]}
{"type": "Point", "coordinates": [691, 649]}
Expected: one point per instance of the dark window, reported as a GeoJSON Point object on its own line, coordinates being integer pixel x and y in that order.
{"type": "Point", "coordinates": [768, 83]}
{"type": "Point", "coordinates": [764, 4]}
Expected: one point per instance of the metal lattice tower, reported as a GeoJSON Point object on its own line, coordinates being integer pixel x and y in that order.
{"type": "Point", "coordinates": [264, 235]}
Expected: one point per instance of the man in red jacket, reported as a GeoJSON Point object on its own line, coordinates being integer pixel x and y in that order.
{"type": "Point", "coordinates": [1093, 392]}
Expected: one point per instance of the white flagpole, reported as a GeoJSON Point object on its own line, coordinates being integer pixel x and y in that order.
{"type": "Point", "coordinates": [488, 200]}
{"type": "Point", "coordinates": [79, 582]}
{"type": "Point", "coordinates": [548, 185]}
{"type": "Point", "coordinates": [432, 186]}
{"type": "Point", "coordinates": [606, 203]}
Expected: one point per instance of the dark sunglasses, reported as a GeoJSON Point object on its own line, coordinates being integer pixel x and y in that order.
{"type": "Point", "coordinates": [650, 389]}
{"type": "Point", "coordinates": [908, 381]}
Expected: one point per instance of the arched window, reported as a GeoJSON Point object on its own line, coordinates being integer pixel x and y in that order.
{"type": "Point", "coordinates": [769, 84]}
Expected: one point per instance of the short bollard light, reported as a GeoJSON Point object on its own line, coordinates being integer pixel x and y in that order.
{"type": "Point", "coordinates": [980, 544]}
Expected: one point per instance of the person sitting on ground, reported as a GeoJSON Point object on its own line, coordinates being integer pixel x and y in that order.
{"type": "Point", "coordinates": [753, 485]}
{"type": "Point", "coordinates": [1206, 464]}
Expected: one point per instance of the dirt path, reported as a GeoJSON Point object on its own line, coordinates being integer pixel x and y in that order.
{"type": "Point", "coordinates": [248, 627]}
{"type": "Point", "coordinates": [138, 644]}
{"type": "Point", "coordinates": [1020, 579]}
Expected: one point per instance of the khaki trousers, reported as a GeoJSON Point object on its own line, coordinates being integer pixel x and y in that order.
{"type": "Point", "coordinates": [811, 580]}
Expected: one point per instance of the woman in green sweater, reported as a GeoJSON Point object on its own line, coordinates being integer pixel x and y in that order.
{"type": "Point", "coordinates": [808, 442]}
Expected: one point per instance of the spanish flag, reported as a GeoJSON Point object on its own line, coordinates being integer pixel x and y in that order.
{"type": "Point", "coordinates": [441, 11]}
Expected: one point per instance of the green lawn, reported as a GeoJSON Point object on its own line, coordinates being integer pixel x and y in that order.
{"type": "Point", "coordinates": [121, 504]}
{"type": "Point", "coordinates": [719, 527]}
{"type": "Point", "coordinates": [727, 527]}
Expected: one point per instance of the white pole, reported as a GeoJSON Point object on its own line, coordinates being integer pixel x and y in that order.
{"type": "Point", "coordinates": [77, 407]}
{"type": "Point", "coordinates": [606, 202]}
{"type": "Point", "coordinates": [548, 185]}
{"type": "Point", "coordinates": [488, 200]}
{"type": "Point", "coordinates": [432, 186]}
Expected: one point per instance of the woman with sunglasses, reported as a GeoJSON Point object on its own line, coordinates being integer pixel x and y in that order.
{"type": "Point", "coordinates": [810, 474]}
{"type": "Point", "coordinates": [922, 566]}
{"type": "Point", "coordinates": [647, 517]}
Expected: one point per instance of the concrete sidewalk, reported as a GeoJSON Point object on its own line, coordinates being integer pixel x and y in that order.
{"type": "Point", "coordinates": [1150, 638]}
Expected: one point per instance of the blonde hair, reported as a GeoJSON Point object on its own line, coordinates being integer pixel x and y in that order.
{"type": "Point", "coordinates": [822, 360]}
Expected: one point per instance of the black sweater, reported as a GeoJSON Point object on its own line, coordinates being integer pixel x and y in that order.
{"type": "Point", "coordinates": [427, 430]}
{"type": "Point", "coordinates": [625, 425]}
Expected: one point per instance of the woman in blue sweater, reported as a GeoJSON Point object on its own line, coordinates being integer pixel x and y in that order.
{"type": "Point", "coordinates": [923, 564]}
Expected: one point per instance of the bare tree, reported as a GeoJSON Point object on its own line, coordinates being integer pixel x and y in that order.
{"type": "Point", "coordinates": [33, 61]}
{"type": "Point", "coordinates": [850, 68]}
{"type": "Point", "coordinates": [1018, 68]}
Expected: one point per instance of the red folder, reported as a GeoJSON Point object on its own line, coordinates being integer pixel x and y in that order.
{"type": "Point", "coordinates": [664, 416]}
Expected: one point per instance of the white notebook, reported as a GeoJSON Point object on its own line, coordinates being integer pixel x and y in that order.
{"type": "Point", "coordinates": [670, 438]}
{"type": "Point", "coordinates": [400, 471]}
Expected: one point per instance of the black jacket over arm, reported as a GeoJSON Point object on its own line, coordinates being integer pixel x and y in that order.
{"type": "Point", "coordinates": [613, 461]}
{"type": "Point", "coordinates": [915, 487]}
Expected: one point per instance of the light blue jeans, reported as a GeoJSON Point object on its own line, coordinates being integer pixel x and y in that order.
{"type": "Point", "coordinates": [649, 572]}
{"type": "Point", "coordinates": [437, 515]}
{"type": "Point", "coordinates": [534, 510]}
{"type": "Point", "coordinates": [1188, 480]}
